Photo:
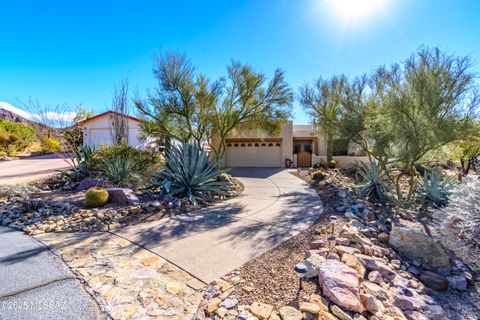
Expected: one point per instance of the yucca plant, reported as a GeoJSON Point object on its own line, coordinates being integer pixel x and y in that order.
{"type": "Point", "coordinates": [434, 189]}
{"type": "Point", "coordinates": [83, 164]}
{"type": "Point", "coordinates": [374, 187]}
{"type": "Point", "coordinates": [189, 173]}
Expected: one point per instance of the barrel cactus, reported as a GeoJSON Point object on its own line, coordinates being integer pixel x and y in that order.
{"type": "Point", "coordinates": [96, 197]}
{"type": "Point", "coordinates": [319, 175]}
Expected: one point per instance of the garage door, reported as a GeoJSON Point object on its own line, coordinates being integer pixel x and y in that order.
{"type": "Point", "coordinates": [254, 154]}
{"type": "Point", "coordinates": [99, 137]}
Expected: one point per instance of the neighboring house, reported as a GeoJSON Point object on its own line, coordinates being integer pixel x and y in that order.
{"type": "Point", "coordinates": [300, 143]}
{"type": "Point", "coordinates": [98, 131]}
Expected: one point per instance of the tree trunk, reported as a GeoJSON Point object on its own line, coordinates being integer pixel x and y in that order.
{"type": "Point", "coordinates": [329, 147]}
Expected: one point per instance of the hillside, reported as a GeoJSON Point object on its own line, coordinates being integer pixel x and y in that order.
{"type": "Point", "coordinates": [13, 117]}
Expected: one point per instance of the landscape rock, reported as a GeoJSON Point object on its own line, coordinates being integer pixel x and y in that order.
{"type": "Point", "coordinates": [415, 244]}
{"type": "Point", "coordinates": [290, 313]}
{"type": "Point", "coordinates": [370, 303]}
{"type": "Point", "coordinates": [319, 301]}
{"type": "Point", "coordinates": [88, 183]}
{"type": "Point", "coordinates": [261, 310]}
{"type": "Point", "coordinates": [310, 307]}
{"type": "Point", "coordinates": [434, 312]}
{"type": "Point", "coordinates": [312, 264]}
{"type": "Point", "coordinates": [434, 281]}
{"type": "Point", "coordinates": [342, 315]}
{"type": "Point", "coordinates": [340, 284]}
{"type": "Point", "coordinates": [457, 282]}
{"type": "Point", "coordinates": [122, 196]}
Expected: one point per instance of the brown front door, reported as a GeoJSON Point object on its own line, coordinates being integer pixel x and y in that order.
{"type": "Point", "coordinates": [304, 159]}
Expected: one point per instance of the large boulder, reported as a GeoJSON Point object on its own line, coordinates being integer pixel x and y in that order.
{"type": "Point", "coordinates": [122, 196]}
{"type": "Point", "coordinates": [414, 244]}
{"type": "Point", "coordinates": [340, 284]}
{"type": "Point", "coordinates": [88, 183]}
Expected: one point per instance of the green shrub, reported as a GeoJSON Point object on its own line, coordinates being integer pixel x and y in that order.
{"type": "Point", "coordinates": [319, 175]}
{"type": "Point", "coordinates": [15, 137]}
{"type": "Point", "coordinates": [332, 164]}
{"type": "Point", "coordinates": [50, 145]}
{"type": "Point", "coordinates": [125, 166]}
{"type": "Point", "coordinates": [434, 189]}
{"type": "Point", "coordinates": [188, 172]}
{"type": "Point", "coordinates": [374, 187]}
{"type": "Point", "coordinates": [96, 197]}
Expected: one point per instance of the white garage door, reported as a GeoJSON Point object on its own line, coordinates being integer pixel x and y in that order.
{"type": "Point", "coordinates": [254, 154]}
{"type": "Point", "coordinates": [100, 137]}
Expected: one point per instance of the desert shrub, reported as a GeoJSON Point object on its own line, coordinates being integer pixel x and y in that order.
{"type": "Point", "coordinates": [319, 165]}
{"type": "Point", "coordinates": [51, 145]}
{"type": "Point", "coordinates": [319, 175]}
{"type": "Point", "coordinates": [374, 187]}
{"type": "Point", "coordinates": [83, 164]}
{"type": "Point", "coordinates": [15, 137]}
{"type": "Point", "coordinates": [16, 190]}
{"type": "Point", "coordinates": [458, 223]}
{"type": "Point", "coordinates": [188, 172]}
{"type": "Point", "coordinates": [332, 164]}
{"type": "Point", "coordinates": [434, 188]}
{"type": "Point", "coordinates": [126, 166]}
{"type": "Point", "coordinates": [96, 197]}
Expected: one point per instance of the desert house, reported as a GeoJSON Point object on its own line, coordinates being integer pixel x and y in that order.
{"type": "Point", "coordinates": [302, 144]}
{"type": "Point", "coordinates": [98, 132]}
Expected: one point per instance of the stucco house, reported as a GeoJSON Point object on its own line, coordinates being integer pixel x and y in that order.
{"type": "Point", "coordinates": [97, 131]}
{"type": "Point", "coordinates": [302, 144]}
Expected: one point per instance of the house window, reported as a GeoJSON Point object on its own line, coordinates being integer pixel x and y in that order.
{"type": "Point", "coordinates": [297, 148]}
{"type": "Point", "coordinates": [307, 148]}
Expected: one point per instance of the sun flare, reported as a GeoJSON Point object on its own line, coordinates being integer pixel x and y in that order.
{"type": "Point", "coordinates": [355, 11]}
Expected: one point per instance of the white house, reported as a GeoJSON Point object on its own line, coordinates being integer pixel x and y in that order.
{"type": "Point", "coordinates": [97, 130]}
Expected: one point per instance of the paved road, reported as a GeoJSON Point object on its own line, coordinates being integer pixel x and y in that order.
{"type": "Point", "coordinates": [35, 284]}
{"type": "Point", "coordinates": [213, 241]}
{"type": "Point", "coordinates": [30, 168]}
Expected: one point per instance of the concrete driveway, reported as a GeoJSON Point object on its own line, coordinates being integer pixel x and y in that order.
{"type": "Point", "coordinates": [29, 169]}
{"type": "Point", "coordinates": [35, 284]}
{"type": "Point", "coordinates": [213, 241]}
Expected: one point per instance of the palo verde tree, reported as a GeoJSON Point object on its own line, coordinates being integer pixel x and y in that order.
{"type": "Point", "coordinates": [401, 113]}
{"type": "Point", "coordinates": [192, 108]}
{"type": "Point", "coordinates": [322, 101]}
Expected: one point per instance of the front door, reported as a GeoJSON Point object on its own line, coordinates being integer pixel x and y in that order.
{"type": "Point", "coordinates": [304, 159]}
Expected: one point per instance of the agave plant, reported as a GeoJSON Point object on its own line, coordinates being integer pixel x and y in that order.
{"type": "Point", "coordinates": [188, 172]}
{"type": "Point", "coordinates": [434, 189]}
{"type": "Point", "coordinates": [121, 171]}
{"type": "Point", "coordinates": [374, 187]}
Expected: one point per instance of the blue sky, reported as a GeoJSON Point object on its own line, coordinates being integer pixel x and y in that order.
{"type": "Point", "coordinates": [73, 51]}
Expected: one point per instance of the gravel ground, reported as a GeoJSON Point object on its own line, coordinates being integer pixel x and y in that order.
{"type": "Point", "coordinates": [271, 279]}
